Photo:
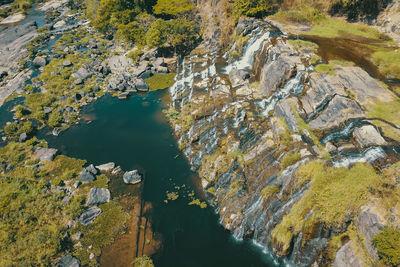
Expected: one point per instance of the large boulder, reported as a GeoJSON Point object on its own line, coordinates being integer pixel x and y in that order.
{"type": "Point", "coordinates": [45, 154]}
{"type": "Point", "coordinates": [89, 215]}
{"type": "Point", "coordinates": [367, 135]}
{"type": "Point", "coordinates": [68, 261]}
{"type": "Point", "coordinates": [92, 169]}
{"type": "Point", "coordinates": [98, 196]}
{"type": "Point", "coordinates": [132, 177]}
{"type": "Point", "coordinates": [39, 61]}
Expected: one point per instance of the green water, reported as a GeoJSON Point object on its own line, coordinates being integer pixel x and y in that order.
{"type": "Point", "coordinates": [135, 135]}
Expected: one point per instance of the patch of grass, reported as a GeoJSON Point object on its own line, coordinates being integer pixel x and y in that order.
{"type": "Point", "coordinates": [160, 81]}
{"type": "Point", "coordinates": [389, 111]}
{"type": "Point", "coordinates": [334, 193]}
{"type": "Point", "coordinates": [290, 159]}
{"type": "Point", "coordinates": [269, 191]}
{"type": "Point", "coordinates": [102, 231]}
{"type": "Point", "coordinates": [325, 68]}
{"type": "Point", "coordinates": [65, 167]}
{"type": "Point", "coordinates": [388, 62]}
{"type": "Point", "coordinates": [306, 15]}
{"type": "Point", "coordinates": [387, 242]}
{"type": "Point", "coordinates": [338, 28]}
{"type": "Point", "coordinates": [143, 261]}
{"type": "Point", "coordinates": [300, 45]}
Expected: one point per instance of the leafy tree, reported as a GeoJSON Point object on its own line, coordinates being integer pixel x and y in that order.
{"type": "Point", "coordinates": [173, 8]}
{"type": "Point", "coordinates": [183, 34]}
{"type": "Point", "coordinates": [252, 8]}
{"type": "Point", "coordinates": [132, 32]}
{"type": "Point", "coordinates": [157, 35]}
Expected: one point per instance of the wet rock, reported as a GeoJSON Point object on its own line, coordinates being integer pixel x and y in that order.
{"type": "Point", "coordinates": [89, 215]}
{"type": "Point", "coordinates": [85, 176]}
{"type": "Point", "coordinates": [22, 137]}
{"type": "Point", "coordinates": [339, 110]}
{"type": "Point", "coordinates": [68, 261]}
{"type": "Point", "coordinates": [367, 135]}
{"type": "Point", "coordinates": [39, 61]}
{"type": "Point", "coordinates": [91, 256]}
{"type": "Point", "coordinates": [132, 177]}
{"type": "Point", "coordinates": [106, 167]}
{"type": "Point", "coordinates": [141, 85]}
{"type": "Point", "coordinates": [98, 196]}
{"type": "Point", "coordinates": [117, 170]}
{"type": "Point", "coordinates": [78, 81]}
{"type": "Point", "coordinates": [45, 154]}
{"type": "Point", "coordinates": [347, 256]}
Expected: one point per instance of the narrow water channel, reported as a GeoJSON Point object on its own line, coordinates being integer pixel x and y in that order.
{"type": "Point", "coordinates": [135, 135]}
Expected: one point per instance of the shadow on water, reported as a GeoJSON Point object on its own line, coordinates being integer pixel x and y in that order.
{"type": "Point", "coordinates": [134, 135]}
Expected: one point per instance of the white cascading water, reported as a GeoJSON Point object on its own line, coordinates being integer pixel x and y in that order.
{"type": "Point", "coordinates": [368, 155]}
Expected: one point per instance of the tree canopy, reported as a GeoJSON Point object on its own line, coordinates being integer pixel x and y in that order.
{"type": "Point", "coordinates": [173, 7]}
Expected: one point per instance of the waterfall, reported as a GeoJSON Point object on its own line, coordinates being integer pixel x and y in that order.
{"type": "Point", "coordinates": [368, 155]}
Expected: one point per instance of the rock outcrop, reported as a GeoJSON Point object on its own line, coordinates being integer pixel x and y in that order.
{"type": "Point", "coordinates": [98, 196]}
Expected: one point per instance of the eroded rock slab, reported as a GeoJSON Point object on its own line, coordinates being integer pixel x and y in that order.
{"type": "Point", "coordinates": [367, 135]}
{"type": "Point", "coordinates": [339, 110]}
{"type": "Point", "coordinates": [132, 177]}
{"type": "Point", "coordinates": [98, 196]}
{"type": "Point", "coordinates": [89, 215]}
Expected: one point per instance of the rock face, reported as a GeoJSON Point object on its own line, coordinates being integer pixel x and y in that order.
{"type": "Point", "coordinates": [98, 196]}
{"type": "Point", "coordinates": [347, 256]}
{"type": "Point", "coordinates": [132, 177]}
{"type": "Point", "coordinates": [89, 215]}
{"type": "Point", "coordinates": [68, 261]}
{"type": "Point", "coordinates": [45, 154]}
{"type": "Point", "coordinates": [368, 136]}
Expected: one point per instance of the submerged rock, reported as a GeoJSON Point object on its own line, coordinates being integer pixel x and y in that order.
{"type": "Point", "coordinates": [89, 215]}
{"type": "Point", "coordinates": [98, 196]}
{"type": "Point", "coordinates": [68, 261]}
{"type": "Point", "coordinates": [132, 177]}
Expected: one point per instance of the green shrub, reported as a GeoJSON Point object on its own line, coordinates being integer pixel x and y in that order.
{"type": "Point", "coordinates": [387, 242]}
{"type": "Point", "coordinates": [55, 118]}
{"type": "Point", "coordinates": [173, 7]}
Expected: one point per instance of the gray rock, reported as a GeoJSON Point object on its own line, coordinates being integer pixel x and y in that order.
{"type": "Point", "coordinates": [91, 256]}
{"type": "Point", "coordinates": [339, 110]}
{"type": "Point", "coordinates": [22, 137]}
{"type": "Point", "coordinates": [98, 196]}
{"type": "Point", "coordinates": [132, 177]}
{"type": "Point", "coordinates": [367, 135]}
{"type": "Point", "coordinates": [162, 69]}
{"type": "Point", "coordinates": [85, 176]}
{"type": "Point", "coordinates": [68, 261]}
{"type": "Point", "coordinates": [106, 167]}
{"type": "Point", "coordinates": [147, 74]}
{"type": "Point", "coordinates": [82, 73]}
{"type": "Point", "coordinates": [78, 81]}
{"type": "Point", "coordinates": [78, 235]}
{"type": "Point", "coordinates": [77, 183]}
{"type": "Point", "coordinates": [45, 154]}
{"type": "Point", "coordinates": [284, 110]}
{"type": "Point", "coordinates": [347, 256]}
{"type": "Point", "coordinates": [141, 85]}
{"type": "Point", "coordinates": [92, 169]}
{"type": "Point", "coordinates": [39, 61]}
{"type": "Point", "coordinates": [89, 215]}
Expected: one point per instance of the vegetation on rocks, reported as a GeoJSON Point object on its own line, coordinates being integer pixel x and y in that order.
{"type": "Point", "coordinates": [160, 81]}
{"type": "Point", "coordinates": [387, 243]}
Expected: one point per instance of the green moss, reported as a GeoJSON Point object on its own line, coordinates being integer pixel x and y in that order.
{"type": "Point", "coordinates": [143, 261]}
{"type": "Point", "coordinates": [387, 242]}
{"type": "Point", "coordinates": [387, 61]}
{"type": "Point", "coordinates": [160, 81]}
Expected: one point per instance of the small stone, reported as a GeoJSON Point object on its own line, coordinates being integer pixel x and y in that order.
{"type": "Point", "coordinates": [67, 63]}
{"type": "Point", "coordinates": [91, 256]}
{"type": "Point", "coordinates": [22, 137]}
{"type": "Point", "coordinates": [78, 235]}
{"type": "Point", "coordinates": [117, 170]}
{"type": "Point", "coordinates": [330, 147]}
{"type": "Point", "coordinates": [77, 183]}
{"type": "Point", "coordinates": [78, 81]}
